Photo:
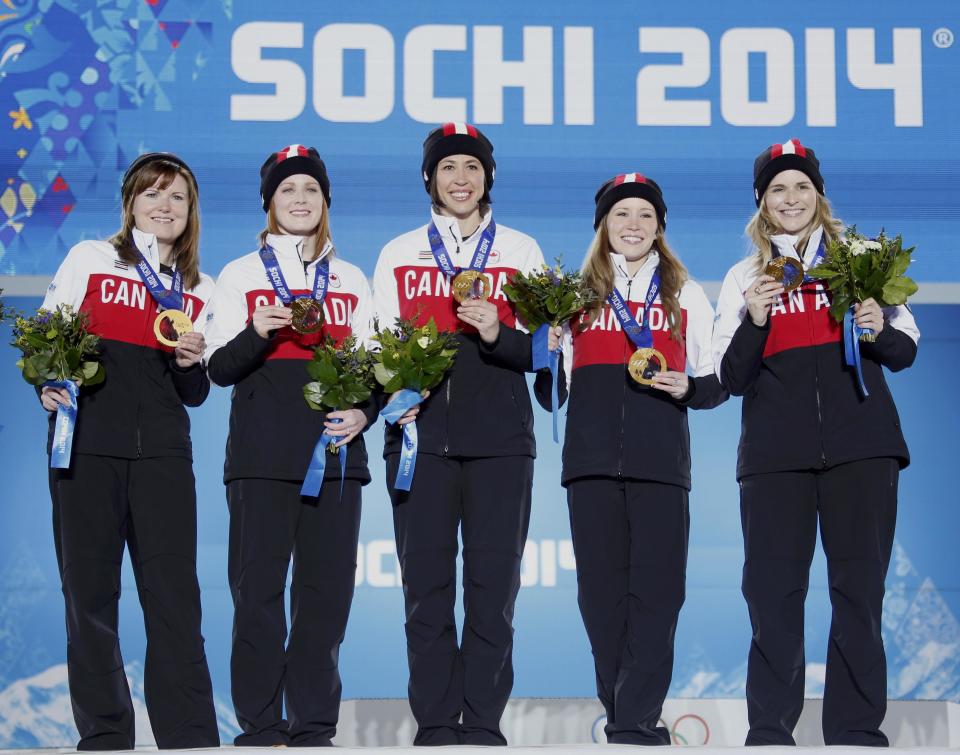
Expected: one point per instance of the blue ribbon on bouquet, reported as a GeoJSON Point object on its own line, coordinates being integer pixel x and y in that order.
{"type": "Point", "coordinates": [544, 358]}
{"type": "Point", "coordinates": [851, 347]}
{"type": "Point", "coordinates": [405, 400]}
{"type": "Point", "coordinates": [64, 425]}
{"type": "Point", "coordinates": [318, 463]}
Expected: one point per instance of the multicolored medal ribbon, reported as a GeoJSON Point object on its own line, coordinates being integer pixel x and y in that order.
{"type": "Point", "coordinates": [307, 310]}
{"type": "Point", "coordinates": [851, 347]}
{"type": "Point", "coordinates": [318, 464]}
{"type": "Point", "coordinates": [544, 358]}
{"type": "Point", "coordinates": [405, 400]}
{"type": "Point", "coordinates": [640, 333]}
{"type": "Point", "coordinates": [63, 426]}
{"type": "Point", "coordinates": [470, 283]}
{"type": "Point", "coordinates": [172, 322]}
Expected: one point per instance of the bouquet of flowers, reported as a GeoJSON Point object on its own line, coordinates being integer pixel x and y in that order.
{"type": "Point", "coordinates": [550, 296]}
{"type": "Point", "coordinates": [342, 378]}
{"type": "Point", "coordinates": [58, 351]}
{"type": "Point", "coordinates": [57, 347]}
{"type": "Point", "coordinates": [546, 298]}
{"type": "Point", "coordinates": [858, 268]}
{"type": "Point", "coordinates": [411, 360]}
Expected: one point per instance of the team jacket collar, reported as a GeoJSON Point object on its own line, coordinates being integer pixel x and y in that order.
{"type": "Point", "coordinates": [450, 229]}
{"type": "Point", "coordinates": [147, 244]}
{"type": "Point", "coordinates": [785, 244]}
{"type": "Point", "coordinates": [620, 275]}
{"type": "Point", "coordinates": [290, 247]}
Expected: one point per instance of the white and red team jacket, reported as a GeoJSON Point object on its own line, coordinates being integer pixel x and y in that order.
{"type": "Point", "coordinates": [272, 429]}
{"type": "Point", "coordinates": [137, 411]}
{"type": "Point", "coordinates": [616, 427]}
{"type": "Point", "coordinates": [802, 407]}
{"type": "Point", "coordinates": [482, 407]}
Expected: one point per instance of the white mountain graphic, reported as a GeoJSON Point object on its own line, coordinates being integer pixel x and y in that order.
{"type": "Point", "coordinates": [35, 712]}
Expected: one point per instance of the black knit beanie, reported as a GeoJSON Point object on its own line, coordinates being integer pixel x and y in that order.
{"type": "Point", "coordinates": [458, 139]}
{"type": "Point", "coordinates": [290, 161]}
{"type": "Point", "coordinates": [629, 185]}
{"type": "Point", "coordinates": [791, 155]}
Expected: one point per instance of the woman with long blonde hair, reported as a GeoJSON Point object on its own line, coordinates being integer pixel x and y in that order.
{"type": "Point", "coordinates": [635, 363]}
{"type": "Point", "coordinates": [813, 452]}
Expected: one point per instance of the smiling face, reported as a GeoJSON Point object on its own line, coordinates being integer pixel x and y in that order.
{"type": "Point", "coordinates": [460, 185]}
{"type": "Point", "coordinates": [632, 227]}
{"type": "Point", "coordinates": [297, 205]}
{"type": "Point", "coordinates": [163, 212]}
{"type": "Point", "coordinates": [791, 201]}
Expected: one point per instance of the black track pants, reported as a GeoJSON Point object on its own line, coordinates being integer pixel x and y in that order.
{"type": "Point", "coordinates": [630, 540]}
{"type": "Point", "coordinates": [101, 504]}
{"type": "Point", "coordinates": [269, 522]}
{"type": "Point", "coordinates": [856, 505]}
{"type": "Point", "coordinates": [488, 499]}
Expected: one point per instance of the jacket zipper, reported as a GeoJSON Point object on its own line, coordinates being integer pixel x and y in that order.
{"type": "Point", "coordinates": [816, 391]}
{"type": "Point", "coordinates": [623, 400]}
{"type": "Point", "coordinates": [446, 429]}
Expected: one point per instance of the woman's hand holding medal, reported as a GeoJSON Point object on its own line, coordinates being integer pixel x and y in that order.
{"type": "Point", "coordinates": [268, 319]}
{"type": "Point", "coordinates": [675, 383]}
{"type": "Point", "coordinates": [760, 296]}
{"type": "Point", "coordinates": [483, 315]}
{"type": "Point", "coordinates": [190, 347]}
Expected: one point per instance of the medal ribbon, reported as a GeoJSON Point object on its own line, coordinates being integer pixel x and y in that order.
{"type": "Point", "coordinates": [851, 347]}
{"type": "Point", "coordinates": [480, 255]}
{"type": "Point", "coordinates": [318, 464]}
{"type": "Point", "coordinates": [639, 333]}
{"type": "Point", "coordinates": [63, 426]}
{"type": "Point", "coordinates": [543, 358]}
{"type": "Point", "coordinates": [168, 298]}
{"type": "Point", "coordinates": [275, 275]}
{"type": "Point", "coordinates": [406, 399]}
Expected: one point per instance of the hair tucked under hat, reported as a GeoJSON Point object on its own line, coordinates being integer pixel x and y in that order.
{"type": "Point", "coordinates": [791, 155]}
{"type": "Point", "coordinates": [458, 139]}
{"type": "Point", "coordinates": [290, 161]}
{"type": "Point", "coordinates": [629, 185]}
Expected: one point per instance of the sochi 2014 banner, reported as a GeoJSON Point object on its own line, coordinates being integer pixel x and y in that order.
{"type": "Point", "coordinates": [570, 93]}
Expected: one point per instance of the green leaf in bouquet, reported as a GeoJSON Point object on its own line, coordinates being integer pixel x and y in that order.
{"type": "Point", "coordinates": [393, 385]}
{"type": "Point", "coordinates": [384, 374]}
{"type": "Point", "coordinates": [901, 262]}
{"type": "Point", "coordinates": [314, 393]}
{"type": "Point", "coordinates": [860, 266]}
{"type": "Point", "coordinates": [326, 372]}
{"type": "Point", "coordinates": [97, 376]}
{"type": "Point", "coordinates": [30, 372]}
{"type": "Point", "coordinates": [898, 290]}
{"type": "Point", "coordinates": [839, 307]}
{"type": "Point", "coordinates": [416, 350]}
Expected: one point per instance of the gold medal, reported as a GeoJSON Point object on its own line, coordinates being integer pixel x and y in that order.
{"type": "Point", "coordinates": [470, 284]}
{"type": "Point", "coordinates": [307, 315]}
{"type": "Point", "coordinates": [640, 367]}
{"type": "Point", "coordinates": [170, 325]}
{"type": "Point", "coordinates": [787, 271]}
